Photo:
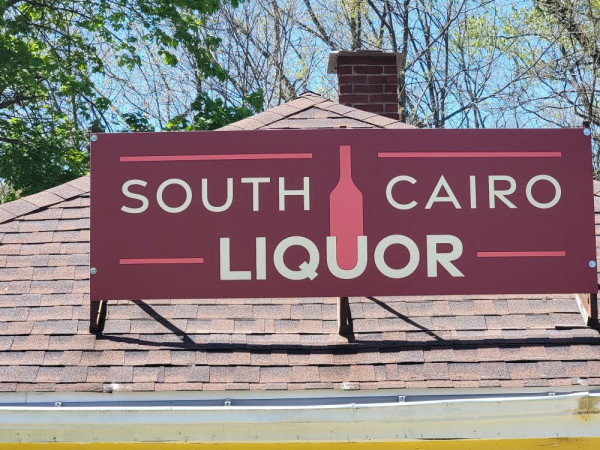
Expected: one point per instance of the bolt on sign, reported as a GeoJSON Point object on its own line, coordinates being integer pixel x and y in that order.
{"type": "Point", "coordinates": [307, 213]}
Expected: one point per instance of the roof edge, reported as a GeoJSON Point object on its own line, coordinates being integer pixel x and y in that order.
{"type": "Point", "coordinates": [26, 205]}
{"type": "Point", "coordinates": [534, 417]}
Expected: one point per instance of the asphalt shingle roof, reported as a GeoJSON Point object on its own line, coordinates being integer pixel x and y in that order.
{"type": "Point", "coordinates": [261, 344]}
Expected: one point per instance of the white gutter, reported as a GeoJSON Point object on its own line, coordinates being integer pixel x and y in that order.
{"type": "Point", "coordinates": [502, 417]}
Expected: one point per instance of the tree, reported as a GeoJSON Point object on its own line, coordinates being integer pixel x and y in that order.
{"type": "Point", "coordinates": [191, 64]}
{"type": "Point", "coordinates": [66, 67]}
{"type": "Point", "coordinates": [467, 63]}
{"type": "Point", "coordinates": [567, 71]}
{"type": "Point", "coordinates": [266, 49]}
{"type": "Point", "coordinates": [283, 48]}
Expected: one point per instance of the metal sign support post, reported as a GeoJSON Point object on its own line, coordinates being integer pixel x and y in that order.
{"type": "Point", "coordinates": [343, 316]}
{"type": "Point", "coordinates": [97, 316]}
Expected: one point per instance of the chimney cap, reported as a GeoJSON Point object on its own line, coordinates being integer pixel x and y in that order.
{"type": "Point", "coordinates": [332, 65]}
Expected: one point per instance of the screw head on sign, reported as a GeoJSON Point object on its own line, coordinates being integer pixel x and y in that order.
{"type": "Point", "coordinates": [94, 137]}
{"type": "Point", "coordinates": [592, 264]}
{"type": "Point", "coordinates": [587, 131]}
{"type": "Point", "coordinates": [93, 270]}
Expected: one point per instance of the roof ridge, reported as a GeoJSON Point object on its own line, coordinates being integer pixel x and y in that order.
{"type": "Point", "coordinates": [276, 113]}
{"type": "Point", "coordinates": [371, 118]}
{"type": "Point", "coordinates": [26, 205]}
{"type": "Point", "coordinates": [308, 92]}
{"type": "Point", "coordinates": [305, 101]}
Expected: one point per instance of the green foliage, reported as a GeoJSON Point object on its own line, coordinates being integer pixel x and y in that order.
{"type": "Point", "coordinates": [210, 114]}
{"type": "Point", "coordinates": [51, 57]}
{"type": "Point", "coordinates": [137, 122]}
{"type": "Point", "coordinates": [36, 153]}
{"type": "Point", "coordinates": [7, 193]}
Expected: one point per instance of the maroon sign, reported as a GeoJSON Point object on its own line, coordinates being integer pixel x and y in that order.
{"type": "Point", "coordinates": [305, 213]}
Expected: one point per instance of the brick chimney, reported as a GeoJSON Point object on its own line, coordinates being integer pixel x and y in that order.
{"type": "Point", "coordinates": [367, 80]}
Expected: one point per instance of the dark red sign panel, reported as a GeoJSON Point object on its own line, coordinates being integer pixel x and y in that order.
{"type": "Point", "coordinates": [305, 213]}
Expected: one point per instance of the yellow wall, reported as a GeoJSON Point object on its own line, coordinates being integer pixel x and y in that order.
{"type": "Point", "coordinates": [471, 444]}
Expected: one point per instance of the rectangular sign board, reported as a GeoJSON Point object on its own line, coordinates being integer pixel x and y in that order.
{"type": "Point", "coordinates": [311, 213]}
